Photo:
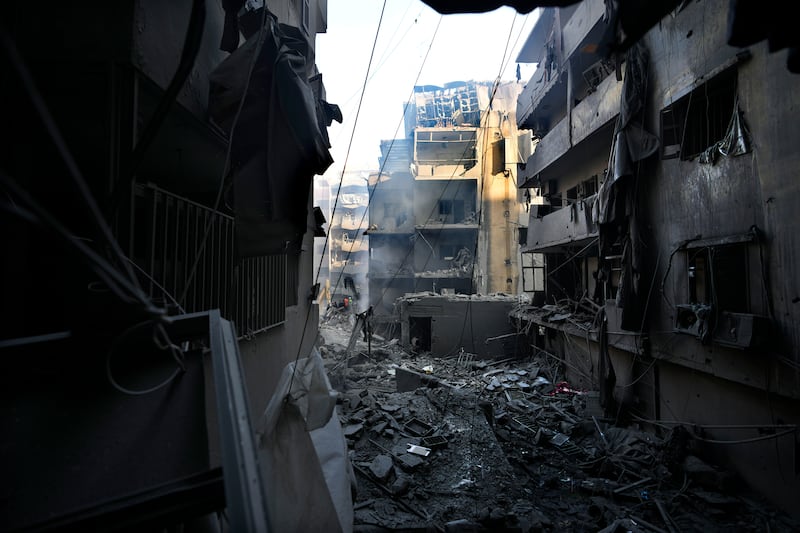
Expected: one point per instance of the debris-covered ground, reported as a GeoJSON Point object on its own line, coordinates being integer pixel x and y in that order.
{"type": "Point", "coordinates": [461, 444]}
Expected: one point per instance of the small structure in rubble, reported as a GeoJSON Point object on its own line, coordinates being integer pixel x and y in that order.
{"type": "Point", "coordinates": [447, 324]}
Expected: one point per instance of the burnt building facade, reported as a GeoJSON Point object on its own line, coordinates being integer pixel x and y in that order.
{"type": "Point", "coordinates": [347, 241]}
{"type": "Point", "coordinates": [444, 206]}
{"type": "Point", "coordinates": [666, 177]}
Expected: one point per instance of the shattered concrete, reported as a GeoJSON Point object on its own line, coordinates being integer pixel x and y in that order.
{"type": "Point", "coordinates": [512, 447]}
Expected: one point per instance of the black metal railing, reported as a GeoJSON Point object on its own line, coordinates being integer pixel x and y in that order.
{"type": "Point", "coordinates": [167, 233]}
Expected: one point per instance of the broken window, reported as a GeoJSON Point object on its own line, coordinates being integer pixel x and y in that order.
{"type": "Point", "coordinates": [718, 276]}
{"type": "Point", "coordinates": [723, 296]}
{"type": "Point", "coordinates": [448, 251]}
{"type": "Point", "coordinates": [698, 120]}
{"type": "Point", "coordinates": [533, 272]}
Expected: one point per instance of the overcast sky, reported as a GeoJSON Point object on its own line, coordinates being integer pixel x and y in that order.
{"type": "Point", "coordinates": [466, 47]}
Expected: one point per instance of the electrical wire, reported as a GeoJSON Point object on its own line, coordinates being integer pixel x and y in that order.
{"type": "Point", "coordinates": [338, 191]}
{"type": "Point", "coordinates": [787, 429]}
{"type": "Point", "coordinates": [114, 280]}
{"type": "Point", "coordinates": [375, 186]}
{"type": "Point", "coordinates": [152, 280]}
{"type": "Point", "coordinates": [191, 47]}
{"type": "Point", "coordinates": [164, 344]}
{"type": "Point", "coordinates": [201, 248]}
{"type": "Point", "coordinates": [69, 161]}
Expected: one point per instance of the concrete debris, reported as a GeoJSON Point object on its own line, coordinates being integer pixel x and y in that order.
{"type": "Point", "coordinates": [381, 467]}
{"type": "Point", "coordinates": [507, 445]}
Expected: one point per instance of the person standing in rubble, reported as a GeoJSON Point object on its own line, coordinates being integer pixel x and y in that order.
{"type": "Point", "coordinates": [366, 324]}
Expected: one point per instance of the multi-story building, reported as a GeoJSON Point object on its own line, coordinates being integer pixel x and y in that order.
{"type": "Point", "coordinates": [444, 207]}
{"type": "Point", "coordinates": [666, 173]}
{"type": "Point", "coordinates": [391, 207]}
{"type": "Point", "coordinates": [347, 242]}
{"type": "Point", "coordinates": [157, 234]}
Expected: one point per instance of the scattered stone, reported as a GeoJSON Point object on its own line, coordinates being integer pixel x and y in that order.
{"type": "Point", "coordinates": [511, 471]}
{"type": "Point", "coordinates": [390, 407]}
{"type": "Point", "coordinates": [381, 467]}
{"type": "Point", "coordinates": [400, 485]}
{"type": "Point", "coordinates": [353, 430]}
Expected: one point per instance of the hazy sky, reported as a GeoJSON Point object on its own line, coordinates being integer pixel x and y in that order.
{"type": "Point", "coordinates": [466, 47]}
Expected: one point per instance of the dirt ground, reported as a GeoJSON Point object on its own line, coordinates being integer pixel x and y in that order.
{"type": "Point", "coordinates": [506, 445]}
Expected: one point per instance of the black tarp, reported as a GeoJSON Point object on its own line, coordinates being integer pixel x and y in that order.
{"type": "Point", "coordinates": [750, 22]}
{"type": "Point", "coordinates": [616, 201]}
{"type": "Point", "coordinates": [277, 144]}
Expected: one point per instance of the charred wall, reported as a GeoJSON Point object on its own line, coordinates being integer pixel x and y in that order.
{"type": "Point", "coordinates": [453, 324]}
{"type": "Point", "coordinates": [752, 194]}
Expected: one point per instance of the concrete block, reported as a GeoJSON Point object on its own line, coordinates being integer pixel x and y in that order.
{"type": "Point", "coordinates": [381, 467]}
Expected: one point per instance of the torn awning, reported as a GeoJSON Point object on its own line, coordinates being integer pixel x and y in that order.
{"type": "Point", "coordinates": [277, 142]}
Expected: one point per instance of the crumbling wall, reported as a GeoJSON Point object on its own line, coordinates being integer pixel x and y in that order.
{"type": "Point", "coordinates": [458, 324]}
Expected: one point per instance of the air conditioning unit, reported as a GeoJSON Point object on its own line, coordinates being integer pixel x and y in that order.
{"type": "Point", "coordinates": [741, 330]}
{"type": "Point", "coordinates": [692, 319]}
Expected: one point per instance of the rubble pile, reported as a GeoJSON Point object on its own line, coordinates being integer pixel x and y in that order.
{"type": "Point", "coordinates": [582, 314]}
{"type": "Point", "coordinates": [461, 444]}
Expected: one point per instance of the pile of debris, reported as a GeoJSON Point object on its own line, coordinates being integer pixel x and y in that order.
{"type": "Point", "coordinates": [583, 314]}
{"type": "Point", "coordinates": [461, 444]}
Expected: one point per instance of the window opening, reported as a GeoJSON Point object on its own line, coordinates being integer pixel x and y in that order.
{"type": "Point", "coordinates": [533, 277]}
{"type": "Point", "coordinates": [699, 119]}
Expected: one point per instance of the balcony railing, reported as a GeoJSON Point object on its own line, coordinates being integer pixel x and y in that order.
{"type": "Point", "coordinates": [167, 233]}
{"type": "Point", "coordinates": [566, 225]}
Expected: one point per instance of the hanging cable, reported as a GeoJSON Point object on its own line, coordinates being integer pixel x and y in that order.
{"type": "Point", "coordinates": [161, 341]}
{"type": "Point", "coordinates": [380, 171]}
{"type": "Point", "coordinates": [260, 37]}
{"type": "Point", "coordinates": [191, 47]}
{"type": "Point", "coordinates": [61, 146]}
{"type": "Point", "coordinates": [32, 211]}
{"type": "Point", "coordinates": [338, 191]}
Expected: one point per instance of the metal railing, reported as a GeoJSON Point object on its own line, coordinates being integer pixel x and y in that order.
{"type": "Point", "coordinates": [166, 233]}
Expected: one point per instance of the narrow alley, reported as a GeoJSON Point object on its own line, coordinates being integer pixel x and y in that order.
{"type": "Point", "coordinates": [467, 444]}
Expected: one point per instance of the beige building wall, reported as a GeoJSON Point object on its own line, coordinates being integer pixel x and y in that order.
{"type": "Point", "coordinates": [498, 267]}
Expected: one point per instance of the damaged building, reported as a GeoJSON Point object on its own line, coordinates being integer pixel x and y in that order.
{"type": "Point", "coordinates": [444, 205]}
{"type": "Point", "coordinates": [665, 180]}
{"type": "Point", "coordinates": [157, 231]}
{"type": "Point", "coordinates": [348, 242]}
{"type": "Point", "coordinates": [164, 366]}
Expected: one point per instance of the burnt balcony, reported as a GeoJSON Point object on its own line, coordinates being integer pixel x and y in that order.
{"type": "Point", "coordinates": [584, 128]}
{"type": "Point", "coordinates": [571, 224]}
{"type": "Point", "coordinates": [445, 153]}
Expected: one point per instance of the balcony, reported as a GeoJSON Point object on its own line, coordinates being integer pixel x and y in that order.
{"type": "Point", "coordinates": [349, 245]}
{"type": "Point", "coordinates": [584, 133]}
{"type": "Point", "coordinates": [597, 109]}
{"type": "Point", "coordinates": [349, 267]}
{"type": "Point", "coordinates": [445, 153]}
{"type": "Point", "coordinates": [585, 26]}
{"type": "Point", "coordinates": [571, 224]}
{"type": "Point", "coordinates": [550, 148]}
{"type": "Point", "coordinates": [564, 39]}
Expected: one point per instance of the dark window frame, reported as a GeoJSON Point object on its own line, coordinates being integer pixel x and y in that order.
{"type": "Point", "coordinates": [697, 120]}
